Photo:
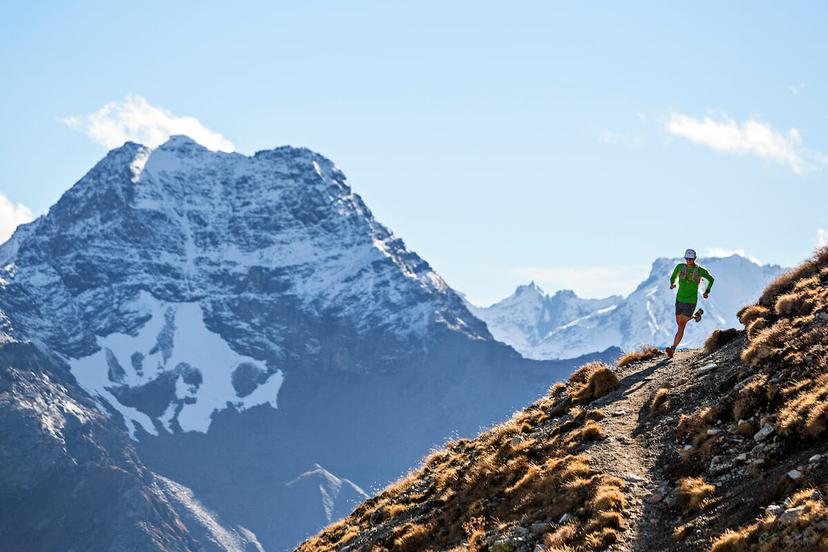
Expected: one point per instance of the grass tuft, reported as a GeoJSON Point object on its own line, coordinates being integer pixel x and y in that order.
{"type": "Point", "coordinates": [644, 353]}
{"type": "Point", "coordinates": [719, 338]}
{"type": "Point", "coordinates": [691, 494]}
{"type": "Point", "coordinates": [592, 381]}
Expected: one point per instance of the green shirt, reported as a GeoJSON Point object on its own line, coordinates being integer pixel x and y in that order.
{"type": "Point", "coordinates": [688, 287]}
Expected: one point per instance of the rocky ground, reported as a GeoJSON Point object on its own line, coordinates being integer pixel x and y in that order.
{"type": "Point", "coordinates": [748, 467]}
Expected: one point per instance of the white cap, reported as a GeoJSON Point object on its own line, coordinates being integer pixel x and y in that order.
{"type": "Point", "coordinates": [690, 254]}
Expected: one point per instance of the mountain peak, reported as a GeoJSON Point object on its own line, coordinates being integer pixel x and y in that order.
{"type": "Point", "coordinates": [565, 294]}
{"type": "Point", "coordinates": [529, 289]}
{"type": "Point", "coordinates": [178, 141]}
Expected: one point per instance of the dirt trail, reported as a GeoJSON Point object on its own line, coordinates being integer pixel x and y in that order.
{"type": "Point", "coordinates": [632, 446]}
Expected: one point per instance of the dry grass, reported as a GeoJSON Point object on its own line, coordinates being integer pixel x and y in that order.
{"type": "Point", "coordinates": [807, 412]}
{"type": "Point", "coordinates": [752, 312]}
{"type": "Point", "coordinates": [805, 531]}
{"type": "Point", "coordinates": [591, 381]}
{"type": "Point", "coordinates": [719, 338]}
{"type": "Point", "coordinates": [658, 401]}
{"type": "Point", "coordinates": [644, 353]}
{"type": "Point", "coordinates": [536, 475]}
{"type": "Point", "coordinates": [691, 494]}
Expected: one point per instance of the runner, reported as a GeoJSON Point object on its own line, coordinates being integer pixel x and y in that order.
{"type": "Point", "coordinates": [689, 275]}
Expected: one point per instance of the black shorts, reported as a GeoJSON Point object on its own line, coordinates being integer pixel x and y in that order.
{"type": "Point", "coordinates": [685, 309]}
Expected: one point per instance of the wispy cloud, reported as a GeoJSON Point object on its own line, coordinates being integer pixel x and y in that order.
{"type": "Point", "coordinates": [822, 237]}
{"type": "Point", "coordinates": [586, 281]}
{"type": "Point", "coordinates": [12, 216]}
{"type": "Point", "coordinates": [795, 89]}
{"type": "Point", "coordinates": [750, 137]}
{"type": "Point", "coordinates": [136, 120]}
{"type": "Point", "coordinates": [619, 138]}
{"type": "Point", "coordinates": [727, 252]}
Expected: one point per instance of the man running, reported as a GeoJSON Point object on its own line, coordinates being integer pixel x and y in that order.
{"type": "Point", "coordinates": [689, 275]}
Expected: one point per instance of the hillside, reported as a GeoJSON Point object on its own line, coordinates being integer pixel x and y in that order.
{"type": "Point", "coordinates": [563, 325]}
{"type": "Point", "coordinates": [720, 449]}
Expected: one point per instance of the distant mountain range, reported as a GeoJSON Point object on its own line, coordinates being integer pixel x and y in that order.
{"type": "Point", "coordinates": [563, 325]}
{"type": "Point", "coordinates": [213, 351]}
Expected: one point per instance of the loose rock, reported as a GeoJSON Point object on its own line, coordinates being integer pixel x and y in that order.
{"type": "Point", "coordinates": [763, 433]}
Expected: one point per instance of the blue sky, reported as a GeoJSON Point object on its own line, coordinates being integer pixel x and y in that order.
{"type": "Point", "coordinates": [566, 143]}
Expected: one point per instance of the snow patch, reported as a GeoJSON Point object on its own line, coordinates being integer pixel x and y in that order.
{"type": "Point", "coordinates": [193, 344]}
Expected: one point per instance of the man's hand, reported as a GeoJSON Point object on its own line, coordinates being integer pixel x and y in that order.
{"type": "Point", "coordinates": [672, 286]}
{"type": "Point", "coordinates": [705, 295]}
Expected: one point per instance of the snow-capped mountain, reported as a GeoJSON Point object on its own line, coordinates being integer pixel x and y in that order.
{"type": "Point", "coordinates": [245, 317]}
{"type": "Point", "coordinates": [563, 325]}
{"type": "Point", "coordinates": [524, 318]}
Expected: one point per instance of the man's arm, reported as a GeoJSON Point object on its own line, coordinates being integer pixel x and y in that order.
{"type": "Point", "coordinates": [709, 277]}
{"type": "Point", "coordinates": [674, 274]}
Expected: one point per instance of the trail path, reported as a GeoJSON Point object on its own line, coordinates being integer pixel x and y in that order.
{"type": "Point", "coordinates": [630, 453]}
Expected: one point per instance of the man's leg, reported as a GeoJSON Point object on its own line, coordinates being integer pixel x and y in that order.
{"type": "Point", "coordinates": [682, 321]}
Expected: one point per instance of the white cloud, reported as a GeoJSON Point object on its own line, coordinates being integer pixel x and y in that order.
{"type": "Point", "coordinates": [822, 237]}
{"type": "Point", "coordinates": [618, 138]}
{"type": "Point", "coordinates": [727, 252]}
{"type": "Point", "coordinates": [748, 138]}
{"type": "Point", "coordinates": [586, 281]}
{"type": "Point", "coordinates": [136, 120]}
{"type": "Point", "coordinates": [795, 89]}
{"type": "Point", "coordinates": [11, 216]}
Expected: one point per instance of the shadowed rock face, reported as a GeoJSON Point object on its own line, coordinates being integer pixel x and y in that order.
{"type": "Point", "coordinates": [245, 318]}
{"type": "Point", "coordinates": [70, 478]}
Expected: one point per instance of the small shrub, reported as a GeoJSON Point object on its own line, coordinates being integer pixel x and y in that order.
{"type": "Point", "coordinates": [752, 312]}
{"type": "Point", "coordinates": [644, 353]}
{"type": "Point", "coordinates": [796, 303]}
{"type": "Point", "coordinates": [691, 493]}
{"type": "Point", "coordinates": [756, 326]}
{"type": "Point", "coordinates": [766, 343]}
{"type": "Point", "coordinates": [680, 532]}
{"type": "Point", "coordinates": [598, 380]}
{"type": "Point", "coordinates": [718, 339]}
{"type": "Point", "coordinates": [731, 541]}
{"type": "Point", "coordinates": [658, 402]}
{"type": "Point", "coordinates": [589, 432]}
{"type": "Point", "coordinates": [560, 536]}
{"type": "Point", "coordinates": [808, 411]}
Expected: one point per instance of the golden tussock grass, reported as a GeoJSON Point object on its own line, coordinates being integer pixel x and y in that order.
{"type": "Point", "coordinates": [805, 531]}
{"type": "Point", "coordinates": [752, 312]}
{"type": "Point", "coordinates": [644, 353]}
{"type": "Point", "coordinates": [691, 494]}
{"type": "Point", "coordinates": [807, 412]}
{"type": "Point", "coordinates": [719, 338]}
{"type": "Point", "coordinates": [681, 531]}
{"type": "Point", "coordinates": [593, 380]}
{"type": "Point", "coordinates": [749, 397]}
{"type": "Point", "coordinates": [756, 326]}
{"type": "Point", "coordinates": [658, 401]}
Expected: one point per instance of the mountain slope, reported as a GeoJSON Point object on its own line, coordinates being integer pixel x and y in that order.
{"type": "Point", "coordinates": [721, 449]}
{"type": "Point", "coordinates": [70, 478]}
{"type": "Point", "coordinates": [563, 325]}
{"type": "Point", "coordinates": [246, 318]}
